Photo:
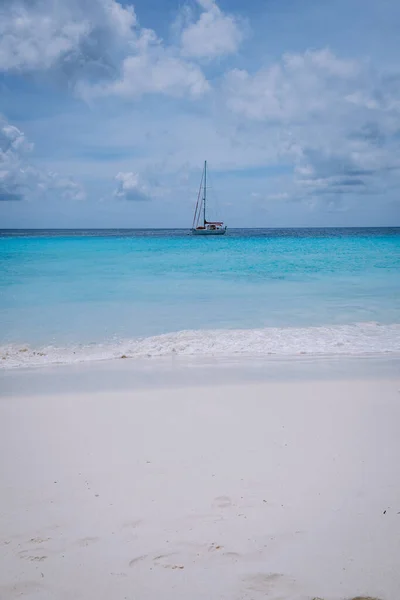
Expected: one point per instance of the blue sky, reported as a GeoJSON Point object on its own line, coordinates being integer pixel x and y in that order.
{"type": "Point", "coordinates": [108, 110]}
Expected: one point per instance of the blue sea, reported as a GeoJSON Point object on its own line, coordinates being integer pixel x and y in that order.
{"type": "Point", "coordinates": [72, 296]}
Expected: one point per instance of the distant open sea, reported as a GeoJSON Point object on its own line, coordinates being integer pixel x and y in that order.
{"type": "Point", "coordinates": [73, 296]}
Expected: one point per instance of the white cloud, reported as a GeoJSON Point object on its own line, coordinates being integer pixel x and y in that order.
{"type": "Point", "coordinates": [40, 35]}
{"type": "Point", "coordinates": [14, 174]}
{"type": "Point", "coordinates": [150, 67]}
{"type": "Point", "coordinates": [152, 71]}
{"type": "Point", "coordinates": [291, 89]}
{"type": "Point", "coordinates": [20, 180]}
{"type": "Point", "coordinates": [213, 34]}
{"type": "Point", "coordinates": [35, 40]}
{"type": "Point", "coordinates": [278, 196]}
{"type": "Point", "coordinates": [12, 140]}
{"type": "Point", "coordinates": [64, 187]}
{"type": "Point", "coordinates": [122, 19]}
{"type": "Point", "coordinates": [98, 45]}
{"type": "Point", "coordinates": [298, 129]}
{"type": "Point", "coordinates": [324, 61]}
{"type": "Point", "coordinates": [130, 187]}
{"type": "Point", "coordinates": [332, 123]}
{"type": "Point", "coordinates": [337, 120]}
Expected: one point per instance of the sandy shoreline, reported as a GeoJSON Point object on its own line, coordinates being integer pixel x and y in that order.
{"type": "Point", "coordinates": [192, 371]}
{"type": "Point", "coordinates": [281, 490]}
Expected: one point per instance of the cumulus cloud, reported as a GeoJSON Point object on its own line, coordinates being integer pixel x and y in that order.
{"type": "Point", "coordinates": [130, 187]}
{"type": "Point", "coordinates": [19, 179]}
{"type": "Point", "coordinates": [332, 122]}
{"type": "Point", "coordinates": [13, 175]}
{"type": "Point", "coordinates": [38, 35]}
{"type": "Point", "coordinates": [213, 34]}
{"type": "Point", "coordinates": [151, 71]}
{"type": "Point", "coordinates": [98, 45]}
{"type": "Point", "coordinates": [150, 67]}
{"type": "Point", "coordinates": [65, 187]}
{"type": "Point", "coordinates": [292, 89]}
{"type": "Point", "coordinates": [33, 41]}
{"type": "Point", "coordinates": [337, 119]}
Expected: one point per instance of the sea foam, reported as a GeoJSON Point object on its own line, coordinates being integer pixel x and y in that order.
{"type": "Point", "coordinates": [354, 339]}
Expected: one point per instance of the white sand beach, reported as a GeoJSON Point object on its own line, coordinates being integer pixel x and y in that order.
{"type": "Point", "coordinates": [278, 490]}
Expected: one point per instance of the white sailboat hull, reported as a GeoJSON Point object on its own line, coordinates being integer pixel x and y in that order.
{"type": "Point", "coordinates": [200, 224]}
{"type": "Point", "coordinates": [209, 231]}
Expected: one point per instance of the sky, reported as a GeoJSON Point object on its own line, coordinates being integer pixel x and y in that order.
{"type": "Point", "coordinates": [108, 110]}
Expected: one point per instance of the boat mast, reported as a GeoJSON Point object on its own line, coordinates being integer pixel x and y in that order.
{"type": "Point", "coordinates": [205, 192]}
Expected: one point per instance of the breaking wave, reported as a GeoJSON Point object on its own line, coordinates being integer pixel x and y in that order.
{"type": "Point", "coordinates": [355, 339]}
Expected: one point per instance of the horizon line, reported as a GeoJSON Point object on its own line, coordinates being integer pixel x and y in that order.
{"type": "Point", "coordinates": [2, 229]}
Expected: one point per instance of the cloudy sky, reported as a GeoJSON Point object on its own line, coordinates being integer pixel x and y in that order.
{"type": "Point", "coordinates": [108, 110]}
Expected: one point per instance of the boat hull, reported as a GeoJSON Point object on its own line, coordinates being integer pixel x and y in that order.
{"type": "Point", "coordinates": [208, 231]}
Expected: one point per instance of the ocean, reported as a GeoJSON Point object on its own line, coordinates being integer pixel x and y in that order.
{"type": "Point", "coordinates": [85, 295]}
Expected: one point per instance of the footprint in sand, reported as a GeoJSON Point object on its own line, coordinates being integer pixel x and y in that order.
{"type": "Point", "coordinates": [131, 524]}
{"type": "Point", "coordinates": [222, 502]}
{"type": "Point", "coordinates": [31, 558]}
{"type": "Point", "coordinates": [232, 555]}
{"type": "Point", "coordinates": [160, 562]}
{"type": "Point", "coordinates": [137, 559]}
{"type": "Point", "coordinates": [162, 556]}
{"type": "Point", "coordinates": [214, 547]}
{"type": "Point", "coordinates": [206, 552]}
{"type": "Point", "coordinates": [87, 541]}
{"type": "Point", "coordinates": [21, 588]}
{"type": "Point", "coordinates": [273, 585]}
{"type": "Point", "coordinates": [218, 549]}
{"type": "Point", "coordinates": [356, 598]}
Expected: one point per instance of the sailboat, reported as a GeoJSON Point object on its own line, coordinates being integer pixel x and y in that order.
{"type": "Point", "coordinates": [200, 224]}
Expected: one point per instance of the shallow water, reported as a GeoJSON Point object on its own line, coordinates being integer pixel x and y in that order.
{"type": "Point", "coordinates": [84, 295]}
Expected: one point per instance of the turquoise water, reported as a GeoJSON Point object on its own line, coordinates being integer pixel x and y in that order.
{"type": "Point", "coordinates": [86, 295]}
